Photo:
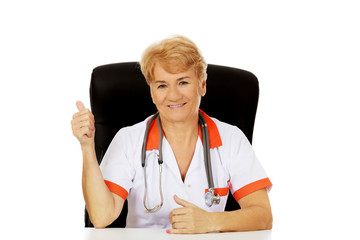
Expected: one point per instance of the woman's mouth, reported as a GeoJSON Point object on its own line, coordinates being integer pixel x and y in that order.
{"type": "Point", "coordinates": [176, 106]}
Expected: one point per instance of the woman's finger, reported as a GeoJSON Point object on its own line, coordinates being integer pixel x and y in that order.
{"type": "Point", "coordinates": [85, 111]}
{"type": "Point", "coordinates": [178, 211]}
{"type": "Point", "coordinates": [179, 225]}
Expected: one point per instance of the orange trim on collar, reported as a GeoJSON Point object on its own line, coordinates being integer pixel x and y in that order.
{"type": "Point", "coordinates": [214, 135]}
{"type": "Point", "coordinates": [153, 136]}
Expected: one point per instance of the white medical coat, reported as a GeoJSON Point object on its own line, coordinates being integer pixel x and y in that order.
{"type": "Point", "coordinates": [235, 167]}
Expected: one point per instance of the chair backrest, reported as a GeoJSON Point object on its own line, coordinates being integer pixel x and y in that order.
{"type": "Point", "coordinates": [116, 90]}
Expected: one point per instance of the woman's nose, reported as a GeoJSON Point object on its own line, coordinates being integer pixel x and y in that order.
{"type": "Point", "coordinates": [173, 94]}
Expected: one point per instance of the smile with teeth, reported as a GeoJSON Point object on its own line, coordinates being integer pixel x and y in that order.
{"type": "Point", "coordinates": [176, 106]}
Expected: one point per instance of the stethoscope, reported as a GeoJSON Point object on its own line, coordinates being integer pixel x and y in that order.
{"type": "Point", "coordinates": [210, 197]}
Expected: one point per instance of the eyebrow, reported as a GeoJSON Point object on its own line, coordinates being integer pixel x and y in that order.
{"type": "Point", "coordinates": [182, 78]}
{"type": "Point", "coordinates": [159, 81]}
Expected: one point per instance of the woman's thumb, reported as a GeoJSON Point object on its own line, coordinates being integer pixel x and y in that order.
{"type": "Point", "coordinates": [80, 106]}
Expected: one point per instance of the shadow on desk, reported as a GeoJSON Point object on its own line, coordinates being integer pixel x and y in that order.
{"type": "Point", "coordinates": [159, 234]}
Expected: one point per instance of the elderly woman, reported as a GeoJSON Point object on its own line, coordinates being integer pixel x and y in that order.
{"type": "Point", "coordinates": [176, 73]}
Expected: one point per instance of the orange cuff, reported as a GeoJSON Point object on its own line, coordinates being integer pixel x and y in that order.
{"type": "Point", "coordinates": [113, 187]}
{"type": "Point", "coordinates": [252, 187]}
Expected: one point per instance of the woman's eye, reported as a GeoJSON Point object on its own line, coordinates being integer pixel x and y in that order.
{"type": "Point", "coordinates": [183, 83]}
{"type": "Point", "coordinates": [162, 86]}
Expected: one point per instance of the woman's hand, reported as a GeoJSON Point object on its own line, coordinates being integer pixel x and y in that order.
{"type": "Point", "coordinates": [83, 125]}
{"type": "Point", "coordinates": [189, 218]}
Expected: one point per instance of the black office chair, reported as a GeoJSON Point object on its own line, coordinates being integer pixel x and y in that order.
{"type": "Point", "coordinates": [120, 97]}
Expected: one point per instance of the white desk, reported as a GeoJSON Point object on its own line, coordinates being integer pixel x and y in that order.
{"type": "Point", "coordinates": [159, 234]}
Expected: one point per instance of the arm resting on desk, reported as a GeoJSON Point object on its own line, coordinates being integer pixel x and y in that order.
{"type": "Point", "coordinates": [255, 214]}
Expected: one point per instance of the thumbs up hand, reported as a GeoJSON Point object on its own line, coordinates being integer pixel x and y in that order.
{"type": "Point", "coordinates": [83, 125]}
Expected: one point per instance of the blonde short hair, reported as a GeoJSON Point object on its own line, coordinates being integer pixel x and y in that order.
{"type": "Point", "coordinates": [175, 54]}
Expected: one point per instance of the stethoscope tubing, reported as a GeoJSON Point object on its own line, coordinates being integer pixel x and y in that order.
{"type": "Point", "coordinates": [207, 161]}
{"type": "Point", "coordinates": [206, 147]}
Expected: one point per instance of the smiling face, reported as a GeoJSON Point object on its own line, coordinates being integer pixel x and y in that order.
{"type": "Point", "coordinates": [177, 96]}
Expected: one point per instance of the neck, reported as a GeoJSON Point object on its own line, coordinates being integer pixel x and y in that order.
{"type": "Point", "coordinates": [184, 132]}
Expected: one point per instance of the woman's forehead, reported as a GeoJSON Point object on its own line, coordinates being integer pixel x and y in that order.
{"type": "Point", "coordinates": [160, 71]}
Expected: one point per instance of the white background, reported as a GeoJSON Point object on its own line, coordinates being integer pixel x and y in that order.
{"type": "Point", "coordinates": [304, 53]}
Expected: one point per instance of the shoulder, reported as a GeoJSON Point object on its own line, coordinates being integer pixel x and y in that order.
{"type": "Point", "coordinates": [228, 132]}
{"type": "Point", "coordinates": [235, 144]}
{"type": "Point", "coordinates": [131, 135]}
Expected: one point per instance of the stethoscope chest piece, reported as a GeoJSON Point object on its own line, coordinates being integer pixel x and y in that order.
{"type": "Point", "coordinates": [211, 198]}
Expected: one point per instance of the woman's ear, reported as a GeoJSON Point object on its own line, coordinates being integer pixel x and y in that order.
{"type": "Point", "coordinates": [203, 87]}
{"type": "Point", "coordinates": [151, 94]}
